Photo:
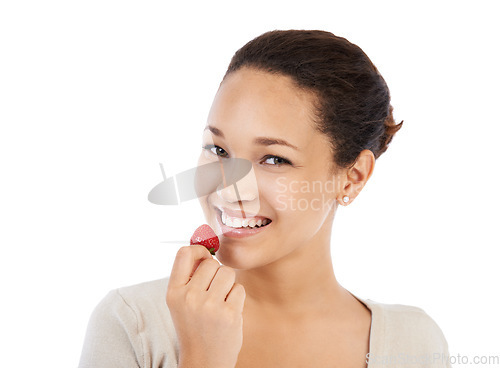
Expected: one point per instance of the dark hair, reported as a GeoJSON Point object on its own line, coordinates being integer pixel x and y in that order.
{"type": "Point", "coordinates": [353, 101]}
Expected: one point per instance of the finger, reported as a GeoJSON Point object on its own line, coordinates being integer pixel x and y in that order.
{"type": "Point", "coordinates": [186, 261]}
{"type": "Point", "coordinates": [236, 296]}
{"type": "Point", "coordinates": [222, 283]}
{"type": "Point", "coordinates": [204, 274]}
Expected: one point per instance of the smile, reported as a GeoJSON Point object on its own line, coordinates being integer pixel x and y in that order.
{"type": "Point", "coordinates": [236, 227]}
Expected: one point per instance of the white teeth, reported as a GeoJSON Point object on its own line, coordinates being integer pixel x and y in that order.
{"type": "Point", "coordinates": [238, 222]}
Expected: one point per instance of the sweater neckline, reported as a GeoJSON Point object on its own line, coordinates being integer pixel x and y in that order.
{"type": "Point", "coordinates": [375, 347]}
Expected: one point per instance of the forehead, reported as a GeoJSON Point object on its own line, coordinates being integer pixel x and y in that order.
{"type": "Point", "coordinates": [255, 103]}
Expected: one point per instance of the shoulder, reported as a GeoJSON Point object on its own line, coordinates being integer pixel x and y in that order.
{"type": "Point", "coordinates": [135, 324]}
{"type": "Point", "coordinates": [143, 305]}
{"type": "Point", "coordinates": [402, 315]}
{"type": "Point", "coordinates": [133, 300]}
{"type": "Point", "coordinates": [143, 295]}
{"type": "Point", "coordinates": [407, 328]}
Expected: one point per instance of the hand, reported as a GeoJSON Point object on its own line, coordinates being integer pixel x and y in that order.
{"type": "Point", "coordinates": [206, 306]}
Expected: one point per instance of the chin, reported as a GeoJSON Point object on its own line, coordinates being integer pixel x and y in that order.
{"type": "Point", "coordinates": [235, 258]}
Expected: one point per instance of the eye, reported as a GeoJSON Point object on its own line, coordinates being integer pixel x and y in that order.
{"type": "Point", "coordinates": [273, 160]}
{"type": "Point", "coordinates": [216, 150]}
{"type": "Point", "coordinates": [277, 161]}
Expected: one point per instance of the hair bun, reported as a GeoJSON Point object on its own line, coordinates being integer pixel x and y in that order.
{"type": "Point", "coordinates": [390, 130]}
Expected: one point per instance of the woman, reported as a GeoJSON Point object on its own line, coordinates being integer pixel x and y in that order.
{"type": "Point", "coordinates": [311, 113]}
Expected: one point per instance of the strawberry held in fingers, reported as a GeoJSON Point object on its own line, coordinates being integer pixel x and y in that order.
{"type": "Point", "coordinates": [204, 235]}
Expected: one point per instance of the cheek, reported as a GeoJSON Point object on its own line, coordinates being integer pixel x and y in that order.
{"type": "Point", "coordinates": [304, 200]}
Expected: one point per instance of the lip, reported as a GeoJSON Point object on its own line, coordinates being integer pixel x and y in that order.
{"type": "Point", "coordinates": [239, 214]}
{"type": "Point", "coordinates": [237, 233]}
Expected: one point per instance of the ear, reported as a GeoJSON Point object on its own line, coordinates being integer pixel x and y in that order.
{"type": "Point", "coordinates": [357, 176]}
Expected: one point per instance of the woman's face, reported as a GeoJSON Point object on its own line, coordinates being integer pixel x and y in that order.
{"type": "Point", "coordinates": [288, 184]}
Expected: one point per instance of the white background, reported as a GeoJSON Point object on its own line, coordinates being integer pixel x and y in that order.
{"type": "Point", "coordinates": [95, 94]}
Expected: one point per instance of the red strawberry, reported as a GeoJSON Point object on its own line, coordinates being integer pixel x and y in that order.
{"type": "Point", "coordinates": [204, 235]}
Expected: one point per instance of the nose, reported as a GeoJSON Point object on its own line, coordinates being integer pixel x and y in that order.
{"type": "Point", "coordinates": [244, 192]}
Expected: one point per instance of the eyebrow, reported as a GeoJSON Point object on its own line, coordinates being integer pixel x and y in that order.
{"type": "Point", "coordinates": [263, 141]}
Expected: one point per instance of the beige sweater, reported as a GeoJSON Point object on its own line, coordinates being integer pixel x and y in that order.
{"type": "Point", "coordinates": [132, 327]}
